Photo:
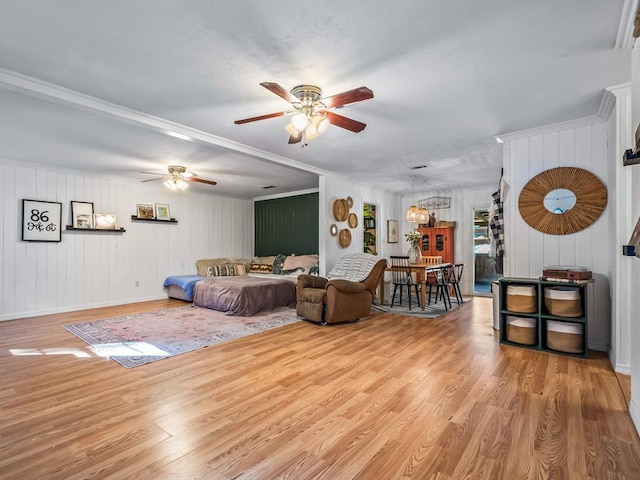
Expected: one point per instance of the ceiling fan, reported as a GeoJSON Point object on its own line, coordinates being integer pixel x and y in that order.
{"type": "Point", "coordinates": [311, 114]}
{"type": "Point", "coordinates": [178, 178]}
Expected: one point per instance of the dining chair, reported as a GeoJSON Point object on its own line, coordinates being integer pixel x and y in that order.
{"type": "Point", "coordinates": [402, 277]}
{"type": "Point", "coordinates": [456, 277]}
{"type": "Point", "coordinates": [441, 279]}
{"type": "Point", "coordinates": [432, 260]}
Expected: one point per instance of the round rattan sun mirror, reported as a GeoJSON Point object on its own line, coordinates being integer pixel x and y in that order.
{"type": "Point", "coordinates": [555, 185]}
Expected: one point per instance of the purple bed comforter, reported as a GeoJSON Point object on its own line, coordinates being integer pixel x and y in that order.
{"type": "Point", "coordinates": [242, 295]}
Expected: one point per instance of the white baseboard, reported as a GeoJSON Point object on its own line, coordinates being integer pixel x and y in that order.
{"type": "Point", "coordinates": [75, 308]}
{"type": "Point", "coordinates": [634, 411]}
{"type": "Point", "coordinates": [623, 368]}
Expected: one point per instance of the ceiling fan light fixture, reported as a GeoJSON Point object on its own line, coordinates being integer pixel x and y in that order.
{"type": "Point", "coordinates": [176, 184]}
{"type": "Point", "coordinates": [299, 121]}
{"type": "Point", "coordinates": [323, 124]}
{"type": "Point", "coordinates": [292, 131]}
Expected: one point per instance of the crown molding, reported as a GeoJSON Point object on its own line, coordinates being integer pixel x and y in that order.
{"type": "Point", "coordinates": [287, 194]}
{"type": "Point", "coordinates": [610, 97]}
{"type": "Point", "coordinates": [54, 93]}
{"type": "Point", "coordinates": [624, 37]}
{"type": "Point", "coordinates": [554, 127]}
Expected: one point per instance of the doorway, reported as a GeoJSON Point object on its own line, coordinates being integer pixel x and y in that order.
{"type": "Point", "coordinates": [484, 271]}
{"type": "Point", "coordinates": [370, 237]}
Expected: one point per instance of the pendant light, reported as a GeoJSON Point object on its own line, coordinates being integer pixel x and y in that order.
{"type": "Point", "coordinates": [423, 215]}
{"type": "Point", "coordinates": [413, 210]}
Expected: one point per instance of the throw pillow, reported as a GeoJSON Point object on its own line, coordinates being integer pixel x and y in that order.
{"type": "Point", "coordinates": [296, 261]}
{"type": "Point", "coordinates": [261, 268]}
{"type": "Point", "coordinates": [224, 270]}
{"type": "Point", "coordinates": [278, 263]}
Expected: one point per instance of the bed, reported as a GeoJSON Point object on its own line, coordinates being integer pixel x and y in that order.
{"type": "Point", "coordinates": [181, 286]}
{"type": "Point", "coordinates": [243, 295]}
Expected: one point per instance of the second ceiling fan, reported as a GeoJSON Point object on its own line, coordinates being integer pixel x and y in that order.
{"type": "Point", "coordinates": [311, 114]}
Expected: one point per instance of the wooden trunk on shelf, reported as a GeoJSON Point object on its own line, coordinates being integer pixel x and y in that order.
{"type": "Point", "coordinates": [437, 241]}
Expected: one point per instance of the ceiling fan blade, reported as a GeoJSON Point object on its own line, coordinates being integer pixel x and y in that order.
{"type": "Point", "coordinates": [153, 179]}
{"type": "Point", "coordinates": [261, 117]}
{"type": "Point", "coordinates": [344, 122]}
{"type": "Point", "coordinates": [295, 138]}
{"type": "Point", "coordinates": [280, 91]}
{"type": "Point", "coordinates": [152, 173]}
{"type": "Point", "coordinates": [200, 180]}
{"type": "Point", "coordinates": [345, 98]}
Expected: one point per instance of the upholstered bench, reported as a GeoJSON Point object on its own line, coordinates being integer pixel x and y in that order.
{"type": "Point", "coordinates": [181, 286]}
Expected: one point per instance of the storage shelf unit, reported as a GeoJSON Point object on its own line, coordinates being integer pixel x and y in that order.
{"type": "Point", "coordinates": [542, 316]}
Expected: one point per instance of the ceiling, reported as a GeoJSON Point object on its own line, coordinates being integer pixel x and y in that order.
{"type": "Point", "coordinates": [96, 86]}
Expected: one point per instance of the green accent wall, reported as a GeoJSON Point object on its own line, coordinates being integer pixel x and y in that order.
{"type": "Point", "coordinates": [287, 225]}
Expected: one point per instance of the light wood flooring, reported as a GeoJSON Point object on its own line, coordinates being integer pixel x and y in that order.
{"type": "Point", "coordinates": [388, 397]}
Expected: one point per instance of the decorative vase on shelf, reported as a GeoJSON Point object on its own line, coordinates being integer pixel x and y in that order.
{"type": "Point", "coordinates": [415, 255]}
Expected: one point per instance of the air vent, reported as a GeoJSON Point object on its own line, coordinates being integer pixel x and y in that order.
{"type": "Point", "coordinates": [268, 187]}
{"type": "Point", "coordinates": [417, 167]}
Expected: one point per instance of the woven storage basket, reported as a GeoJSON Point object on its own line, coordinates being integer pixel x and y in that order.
{"type": "Point", "coordinates": [522, 298]}
{"type": "Point", "coordinates": [565, 337]}
{"type": "Point", "coordinates": [563, 301]}
{"type": "Point", "coordinates": [521, 330]}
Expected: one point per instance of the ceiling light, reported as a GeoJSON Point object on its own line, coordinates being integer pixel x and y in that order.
{"type": "Point", "coordinates": [178, 135]}
{"type": "Point", "coordinates": [176, 184]}
{"type": "Point", "coordinates": [299, 121]}
{"type": "Point", "coordinates": [498, 139]}
{"type": "Point", "coordinates": [423, 215]}
{"type": "Point", "coordinates": [412, 214]}
{"type": "Point", "coordinates": [323, 124]}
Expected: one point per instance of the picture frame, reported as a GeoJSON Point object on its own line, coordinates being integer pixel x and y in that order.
{"type": "Point", "coordinates": [392, 231]}
{"type": "Point", "coordinates": [104, 221]}
{"type": "Point", "coordinates": [145, 210]}
{"type": "Point", "coordinates": [162, 211]}
{"type": "Point", "coordinates": [41, 221]}
{"type": "Point", "coordinates": [433, 203]}
{"type": "Point", "coordinates": [81, 214]}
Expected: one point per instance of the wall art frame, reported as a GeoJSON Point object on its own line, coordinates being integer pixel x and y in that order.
{"type": "Point", "coordinates": [162, 211]}
{"type": "Point", "coordinates": [81, 214]}
{"type": "Point", "coordinates": [105, 221]}
{"type": "Point", "coordinates": [41, 221]}
{"type": "Point", "coordinates": [392, 231]}
{"type": "Point", "coordinates": [145, 210]}
{"type": "Point", "coordinates": [434, 203]}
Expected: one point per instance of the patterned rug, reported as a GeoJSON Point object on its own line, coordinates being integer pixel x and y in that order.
{"type": "Point", "coordinates": [134, 340]}
{"type": "Point", "coordinates": [432, 310]}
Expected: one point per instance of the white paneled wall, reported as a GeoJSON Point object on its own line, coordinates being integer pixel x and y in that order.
{"type": "Point", "coordinates": [332, 188]}
{"type": "Point", "coordinates": [463, 202]}
{"type": "Point", "coordinates": [580, 144]}
{"type": "Point", "coordinates": [89, 269]}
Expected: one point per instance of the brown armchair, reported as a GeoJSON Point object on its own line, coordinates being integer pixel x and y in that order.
{"type": "Point", "coordinates": [335, 301]}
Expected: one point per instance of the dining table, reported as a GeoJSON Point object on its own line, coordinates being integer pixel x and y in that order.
{"type": "Point", "coordinates": [421, 270]}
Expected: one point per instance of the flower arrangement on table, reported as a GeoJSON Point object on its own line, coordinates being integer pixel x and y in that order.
{"type": "Point", "coordinates": [413, 237]}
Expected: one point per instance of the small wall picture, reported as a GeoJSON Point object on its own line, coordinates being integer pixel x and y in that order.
{"type": "Point", "coordinates": [41, 221]}
{"type": "Point", "coordinates": [104, 221]}
{"type": "Point", "coordinates": [81, 214]}
{"type": "Point", "coordinates": [145, 210]}
{"type": "Point", "coordinates": [162, 211]}
{"type": "Point", "coordinates": [392, 231]}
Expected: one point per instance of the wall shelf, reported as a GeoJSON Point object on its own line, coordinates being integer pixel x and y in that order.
{"type": "Point", "coordinates": [138, 219]}
{"type": "Point", "coordinates": [99, 230]}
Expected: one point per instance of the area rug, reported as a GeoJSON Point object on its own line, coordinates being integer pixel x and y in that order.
{"type": "Point", "coordinates": [134, 340]}
{"type": "Point", "coordinates": [433, 310]}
